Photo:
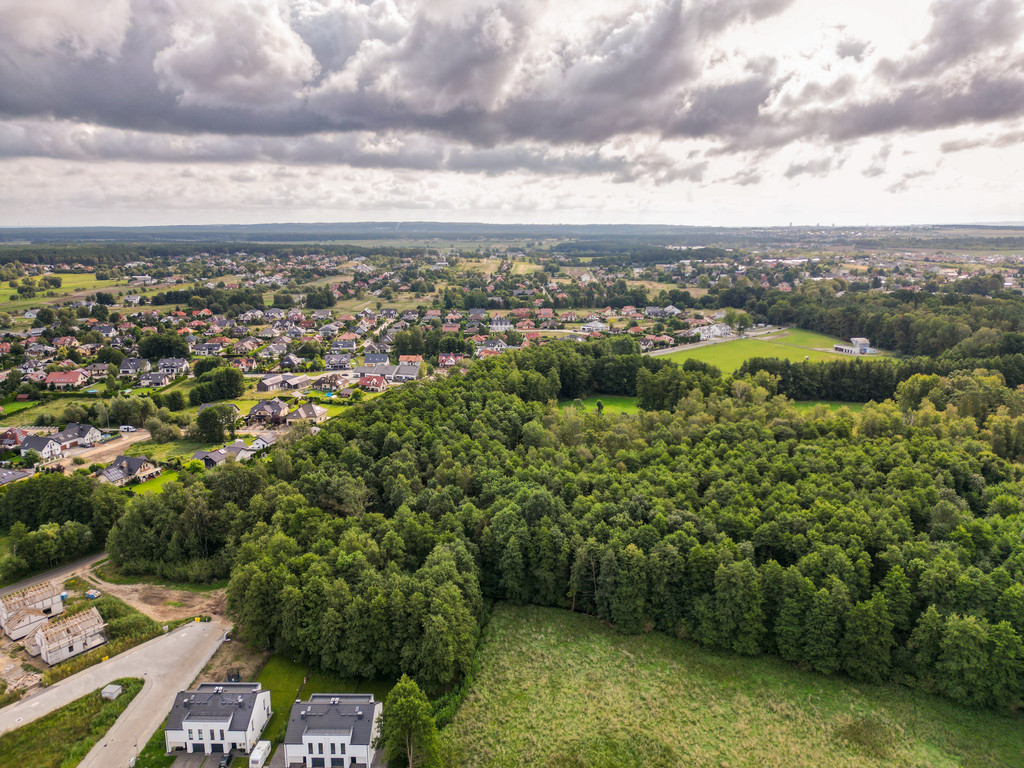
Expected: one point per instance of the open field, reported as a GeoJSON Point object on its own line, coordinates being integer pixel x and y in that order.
{"type": "Point", "coordinates": [730, 355]}
{"type": "Point", "coordinates": [612, 404]}
{"type": "Point", "coordinates": [800, 338]}
{"type": "Point", "coordinates": [284, 680]}
{"type": "Point", "coordinates": [179, 449]}
{"type": "Point", "coordinates": [556, 689]}
{"type": "Point", "coordinates": [65, 736]}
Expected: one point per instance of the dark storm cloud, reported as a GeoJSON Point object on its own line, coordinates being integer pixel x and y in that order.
{"type": "Point", "coordinates": [484, 88]}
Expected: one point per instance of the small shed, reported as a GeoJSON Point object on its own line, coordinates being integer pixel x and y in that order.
{"type": "Point", "coordinates": [111, 692]}
{"type": "Point", "coordinates": [260, 753]}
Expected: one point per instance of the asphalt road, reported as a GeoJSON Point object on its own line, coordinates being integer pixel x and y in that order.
{"type": "Point", "coordinates": [59, 574]}
{"type": "Point", "coordinates": [168, 664]}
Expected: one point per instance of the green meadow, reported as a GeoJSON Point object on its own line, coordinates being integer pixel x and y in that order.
{"type": "Point", "coordinates": [561, 690]}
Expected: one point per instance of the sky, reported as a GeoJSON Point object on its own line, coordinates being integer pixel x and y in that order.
{"type": "Point", "coordinates": [720, 112]}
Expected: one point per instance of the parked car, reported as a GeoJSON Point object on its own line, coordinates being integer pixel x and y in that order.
{"type": "Point", "coordinates": [225, 761]}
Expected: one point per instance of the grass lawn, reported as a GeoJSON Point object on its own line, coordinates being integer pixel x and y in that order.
{"type": "Point", "coordinates": [800, 338]}
{"type": "Point", "coordinates": [64, 737]}
{"type": "Point", "coordinates": [612, 404]}
{"type": "Point", "coordinates": [178, 449]}
{"type": "Point", "coordinates": [559, 689]}
{"type": "Point", "coordinates": [835, 405]}
{"type": "Point", "coordinates": [155, 484]}
{"type": "Point", "coordinates": [284, 680]}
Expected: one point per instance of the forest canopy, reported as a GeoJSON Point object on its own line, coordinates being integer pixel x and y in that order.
{"type": "Point", "coordinates": [886, 546]}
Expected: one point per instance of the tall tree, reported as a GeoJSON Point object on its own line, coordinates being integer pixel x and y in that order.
{"type": "Point", "coordinates": [408, 733]}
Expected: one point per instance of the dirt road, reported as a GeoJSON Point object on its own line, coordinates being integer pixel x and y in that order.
{"type": "Point", "coordinates": [107, 452]}
{"type": "Point", "coordinates": [164, 603]}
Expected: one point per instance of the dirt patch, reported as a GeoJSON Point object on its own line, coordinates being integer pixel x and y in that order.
{"type": "Point", "coordinates": [164, 603]}
{"type": "Point", "coordinates": [234, 656]}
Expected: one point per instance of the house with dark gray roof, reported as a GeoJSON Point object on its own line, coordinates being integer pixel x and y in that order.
{"type": "Point", "coordinates": [217, 717]}
{"type": "Point", "coordinates": [332, 730]}
{"type": "Point", "coordinates": [129, 469]}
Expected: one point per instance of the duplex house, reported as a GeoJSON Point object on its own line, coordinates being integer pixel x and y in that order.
{"type": "Point", "coordinates": [217, 717]}
{"type": "Point", "coordinates": [129, 469]}
{"type": "Point", "coordinates": [377, 359]}
{"type": "Point", "coordinates": [60, 640]}
{"type": "Point", "coordinates": [332, 729]}
{"type": "Point", "coordinates": [22, 611]}
{"type": "Point", "coordinates": [338, 362]}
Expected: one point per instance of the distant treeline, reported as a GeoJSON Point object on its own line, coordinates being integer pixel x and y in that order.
{"type": "Point", "coordinates": [859, 380]}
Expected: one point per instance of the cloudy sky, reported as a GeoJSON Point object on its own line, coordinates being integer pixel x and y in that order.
{"type": "Point", "coordinates": [723, 112]}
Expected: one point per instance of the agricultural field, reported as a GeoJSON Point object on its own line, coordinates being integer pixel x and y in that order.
{"type": "Point", "coordinates": [561, 689]}
{"type": "Point", "coordinates": [611, 403]}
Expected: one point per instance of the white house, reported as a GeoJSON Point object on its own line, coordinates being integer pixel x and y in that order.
{"type": "Point", "coordinates": [332, 729]}
{"type": "Point", "coordinates": [23, 611]}
{"type": "Point", "coordinates": [594, 325]}
{"type": "Point", "coordinates": [67, 637]}
{"type": "Point", "coordinates": [77, 434]}
{"type": "Point", "coordinates": [46, 447]}
{"type": "Point", "coordinates": [218, 717]}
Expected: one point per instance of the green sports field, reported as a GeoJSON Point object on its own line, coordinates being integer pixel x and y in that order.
{"type": "Point", "coordinates": [794, 345]}
{"type": "Point", "coordinates": [561, 690]}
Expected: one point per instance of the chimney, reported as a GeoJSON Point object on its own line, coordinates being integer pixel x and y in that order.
{"type": "Point", "coordinates": [359, 714]}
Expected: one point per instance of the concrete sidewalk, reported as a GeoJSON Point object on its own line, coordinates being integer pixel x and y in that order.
{"type": "Point", "coordinates": [167, 664]}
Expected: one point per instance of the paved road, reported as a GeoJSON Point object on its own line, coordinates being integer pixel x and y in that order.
{"type": "Point", "coordinates": [57, 574]}
{"type": "Point", "coordinates": [168, 664]}
{"type": "Point", "coordinates": [710, 342]}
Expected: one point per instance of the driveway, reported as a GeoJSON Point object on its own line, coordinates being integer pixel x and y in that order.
{"type": "Point", "coordinates": [106, 452]}
{"type": "Point", "coordinates": [167, 664]}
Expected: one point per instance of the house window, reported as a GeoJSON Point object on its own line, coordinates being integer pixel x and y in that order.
{"type": "Point", "coordinates": [310, 748]}
{"type": "Point", "coordinates": [341, 749]}
{"type": "Point", "coordinates": [190, 736]}
{"type": "Point", "coordinates": [332, 748]}
{"type": "Point", "coordinates": [200, 734]}
{"type": "Point", "coordinates": [222, 734]}
{"type": "Point", "coordinates": [320, 747]}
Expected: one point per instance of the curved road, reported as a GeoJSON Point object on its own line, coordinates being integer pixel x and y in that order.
{"type": "Point", "coordinates": [168, 664]}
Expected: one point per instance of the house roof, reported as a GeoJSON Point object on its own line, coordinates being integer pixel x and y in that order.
{"type": "Point", "coordinates": [30, 595]}
{"type": "Point", "coordinates": [215, 701]}
{"type": "Point", "coordinates": [36, 443]}
{"type": "Point", "coordinates": [60, 631]}
{"type": "Point", "coordinates": [333, 713]}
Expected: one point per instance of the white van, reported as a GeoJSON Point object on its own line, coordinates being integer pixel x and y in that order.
{"type": "Point", "coordinates": [127, 428]}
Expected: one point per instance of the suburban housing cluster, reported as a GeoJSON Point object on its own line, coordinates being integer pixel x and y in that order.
{"type": "Point", "coordinates": [29, 616]}
{"type": "Point", "coordinates": [327, 730]}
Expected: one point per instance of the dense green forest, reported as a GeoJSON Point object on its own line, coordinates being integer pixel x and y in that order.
{"type": "Point", "coordinates": [884, 546]}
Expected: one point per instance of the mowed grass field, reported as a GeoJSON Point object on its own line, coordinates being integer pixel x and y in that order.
{"type": "Point", "coordinates": [795, 345]}
{"type": "Point", "coordinates": [560, 690]}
